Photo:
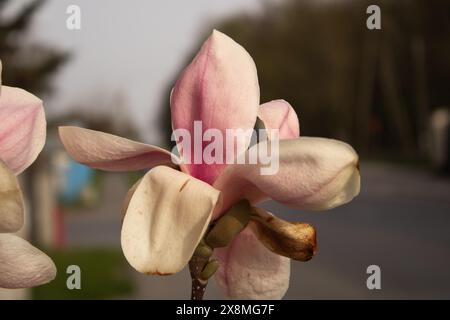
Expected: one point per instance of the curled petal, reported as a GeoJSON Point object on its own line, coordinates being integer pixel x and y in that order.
{"type": "Point", "coordinates": [294, 240]}
{"type": "Point", "coordinates": [248, 270]}
{"type": "Point", "coordinates": [105, 151]}
{"type": "Point", "coordinates": [312, 173]}
{"type": "Point", "coordinates": [220, 89]}
{"type": "Point", "coordinates": [166, 218]}
{"type": "Point", "coordinates": [279, 114]}
{"type": "Point", "coordinates": [22, 265]}
{"type": "Point", "coordinates": [22, 128]}
{"type": "Point", "coordinates": [11, 201]}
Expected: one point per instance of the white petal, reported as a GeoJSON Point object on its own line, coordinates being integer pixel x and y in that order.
{"type": "Point", "coordinates": [248, 270]}
{"type": "Point", "coordinates": [313, 174]}
{"type": "Point", "coordinates": [22, 265]}
{"type": "Point", "coordinates": [167, 216]}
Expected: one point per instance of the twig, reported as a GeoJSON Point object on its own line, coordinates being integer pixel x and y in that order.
{"type": "Point", "coordinates": [196, 265]}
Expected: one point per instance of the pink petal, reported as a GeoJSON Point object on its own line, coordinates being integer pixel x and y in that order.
{"type": "Point", "coordinates": [279, 114]}
{"type": "Point", "coordinates": [105, 151]}
{"type": "Point", "coordinates": [250, 271]}
{"type": "Point", "coordinates": [314, 174]}
{"type": "Point", "coordinates": [220, 88]}
{"type": "Point", "coordinates": [22, 128]}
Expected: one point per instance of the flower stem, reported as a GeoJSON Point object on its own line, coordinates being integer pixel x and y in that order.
{"type": "Point", "coordinates": [196, 265]}
{"type": "Point", "coordinates": [219, 234]}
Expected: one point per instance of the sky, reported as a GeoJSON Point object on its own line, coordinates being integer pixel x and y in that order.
{"type": "Point", "coordinates": [132, 47]}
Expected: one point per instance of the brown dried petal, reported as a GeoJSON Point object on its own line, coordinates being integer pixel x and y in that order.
{"type": "Point", "coordinates": [290, 239]}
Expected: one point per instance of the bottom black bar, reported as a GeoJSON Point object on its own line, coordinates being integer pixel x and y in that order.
{"type": "Point", "coordinates": [288, 309]}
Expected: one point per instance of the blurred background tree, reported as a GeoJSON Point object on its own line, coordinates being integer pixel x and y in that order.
{"type": "Point", "coordinates": [28, 65]}
{"type": "Point", "coordinates": [372, 88]}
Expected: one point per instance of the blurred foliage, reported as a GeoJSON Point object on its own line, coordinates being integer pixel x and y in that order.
{"type": "Point", "coordinates": [104, 275]}
{"type": "Point", "coordinates": [372, 88]}
{"type": "Point", "coordinates": [25, 64]}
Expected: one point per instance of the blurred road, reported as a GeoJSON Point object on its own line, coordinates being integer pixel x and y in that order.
{"type": "Point", "coordinates": [400, 221]}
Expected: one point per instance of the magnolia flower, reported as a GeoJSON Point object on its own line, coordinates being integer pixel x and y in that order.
{"type": "Point", "coordinates": [22, 137]}
{"type": "Point", "coordinates": [177, 214]}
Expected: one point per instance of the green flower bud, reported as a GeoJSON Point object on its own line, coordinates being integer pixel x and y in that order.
{"type": "Point", "coordinates": [203, 250]}
{"type": "Point", "coordinates": [209, 270]}
{"type": "Point", "coordinates": [229, 225]}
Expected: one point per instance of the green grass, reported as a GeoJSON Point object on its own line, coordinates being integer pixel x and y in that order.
{"type": "Point", "coordinates": [103, 275]}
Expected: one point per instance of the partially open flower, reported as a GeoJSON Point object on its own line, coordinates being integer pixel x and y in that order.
{"type": "Point", "coordinates": [220, 90]}
{"type": "Point", "coordinates": [22, 137]}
